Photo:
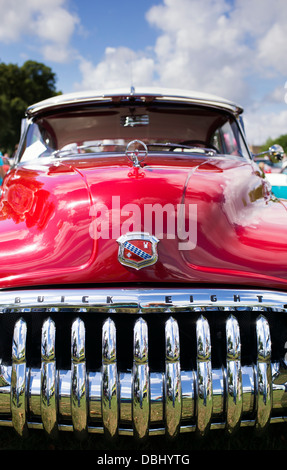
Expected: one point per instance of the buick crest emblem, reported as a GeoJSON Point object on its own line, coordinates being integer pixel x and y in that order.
{"type": "Point", "coordinates": [137, 250]}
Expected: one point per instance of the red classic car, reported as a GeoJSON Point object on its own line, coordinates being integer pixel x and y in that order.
{"type": "Point", "coordinates": [143, 270]}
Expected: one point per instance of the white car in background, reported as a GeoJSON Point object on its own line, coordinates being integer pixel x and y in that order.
{"type": "Point", "coordinates": [278, 181]}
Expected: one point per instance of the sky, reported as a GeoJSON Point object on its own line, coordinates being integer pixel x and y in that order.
{"type": "Point", "coordinates": [236, 49]}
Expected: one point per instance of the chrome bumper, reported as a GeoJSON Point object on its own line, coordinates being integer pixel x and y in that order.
{"type": "Point", "coordinates": [139, 401]}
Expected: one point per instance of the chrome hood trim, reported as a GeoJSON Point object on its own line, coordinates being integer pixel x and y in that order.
{"type": "Point", "coordinates": [132, 300]}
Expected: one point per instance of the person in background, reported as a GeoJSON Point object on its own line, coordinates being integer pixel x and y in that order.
{"type": "Point", "coordinates": [2, 172]}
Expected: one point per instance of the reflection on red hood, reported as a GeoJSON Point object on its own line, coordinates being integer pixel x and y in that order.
{"type": "Point", "coordinates": [238, 232]}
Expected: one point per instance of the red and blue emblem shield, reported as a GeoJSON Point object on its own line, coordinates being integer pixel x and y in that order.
{"type": "Point", "coordinates": [137, 250]}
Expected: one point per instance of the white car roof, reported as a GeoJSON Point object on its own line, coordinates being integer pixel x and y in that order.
{"type": "Point", "coordinates": [148, 93]}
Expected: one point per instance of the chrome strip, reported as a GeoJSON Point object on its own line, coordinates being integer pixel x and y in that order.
{"type": "Point", "coordinates": [172, 378]}
{"type": "Point", "coordinates": [204, 376]}
{"type": "Point", "coordinates": [234, 401]}
{"type": "Point", "coordinates": [152, 432]}
{"type": "Point", "coordinates": [18, 378]}
{"type": "Point", "coordinates": [132, 300]}
{"type": "Point", "coordinates": [264, 379]}
{"type": "Point", "coordinates": [110, 406]}
{"type": "Point", "coordinates": [48, 378]}
{"type": "Point", "coordinates": [78, 378]}
{"type": "Point", "coordinates": [140, 382]}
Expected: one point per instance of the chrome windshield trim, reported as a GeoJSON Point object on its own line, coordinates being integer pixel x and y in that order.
{"type": "Point", "coordinates": [143, 94]}
{"type": "Point", "coordinates": [145, 300]}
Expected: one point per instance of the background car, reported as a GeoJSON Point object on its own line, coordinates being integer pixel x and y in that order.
{"type": "Point", "coordinates": [268, 166]}
{"type": "Point", "coordinates": [278, 182]}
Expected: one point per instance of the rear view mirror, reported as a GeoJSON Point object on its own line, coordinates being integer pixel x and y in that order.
{"type": "Point", "coordinates": [275, 153]}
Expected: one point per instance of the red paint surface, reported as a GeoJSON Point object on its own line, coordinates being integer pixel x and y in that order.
{"type": "Point", "coordinates": [45, 223]}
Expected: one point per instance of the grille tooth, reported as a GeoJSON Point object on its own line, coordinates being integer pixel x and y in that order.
{"type": "Point", "coordinates": [18, 378]}
{"type": "Point", "coordinates": [234, 402]}
{"type": "Point", "coordinates": [204, 375]}
{"type": "Point", "coordinates": [110, 387]}
{"type": "Point", "coordinates": [264, 375]}
{"type": "Point", "coordinates": [48, 378]}
{"type": "Point", "coordinates": [78, 378]}
{"type": "Point", "coordinates": [140, 380]}
{"type": "Point", "coordinates": [173, 402]}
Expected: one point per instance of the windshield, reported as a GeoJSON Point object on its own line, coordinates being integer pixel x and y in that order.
{"type": "Point", "coordinates": [111, 127]}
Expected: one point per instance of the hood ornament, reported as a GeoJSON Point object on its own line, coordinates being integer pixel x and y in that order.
{"type": "Point", "coordinates": [136, 152]}
{"type": "Point", "coordinates": [137, 250]}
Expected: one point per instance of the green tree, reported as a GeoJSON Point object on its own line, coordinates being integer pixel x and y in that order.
{"type": "Point", "coordinates": [19, 88]}
{"type": "Point", "coordinates": [281, 140]}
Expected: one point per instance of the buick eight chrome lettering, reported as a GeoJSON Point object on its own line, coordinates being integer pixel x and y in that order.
{"type": "Point", "coordinates": [143, 270]}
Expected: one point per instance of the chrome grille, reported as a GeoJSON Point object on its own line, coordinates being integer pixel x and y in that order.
{"type": "Point", "coordinates": [190, 392]}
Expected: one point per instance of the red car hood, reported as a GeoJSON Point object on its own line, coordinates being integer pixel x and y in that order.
{"type": "Point", "coordinates": [59, 224]}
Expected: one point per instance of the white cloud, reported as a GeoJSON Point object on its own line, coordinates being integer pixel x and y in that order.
{"type": "Point", "coordinates": [211, 45]}
{"type": "Point", "coordinates": [214, 46]}
{"type": "Point", "coordinates": [260, 126]}
{"type": "Point", "coordinates": [54, 24]}
{"type": "Point", "coordinates": [119, 67]}
{"type": "Point", "coordinates": [270, 50]}
{"type": "Point", "coordinates": [277, 95]}
{"type": "Point", "coordinates": [48, 20]}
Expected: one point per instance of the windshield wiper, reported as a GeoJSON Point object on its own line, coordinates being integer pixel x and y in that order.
{"type": "Point", "coordinates": [74, 149]}
{"type": "Point", "coordinates": [173, 146]}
